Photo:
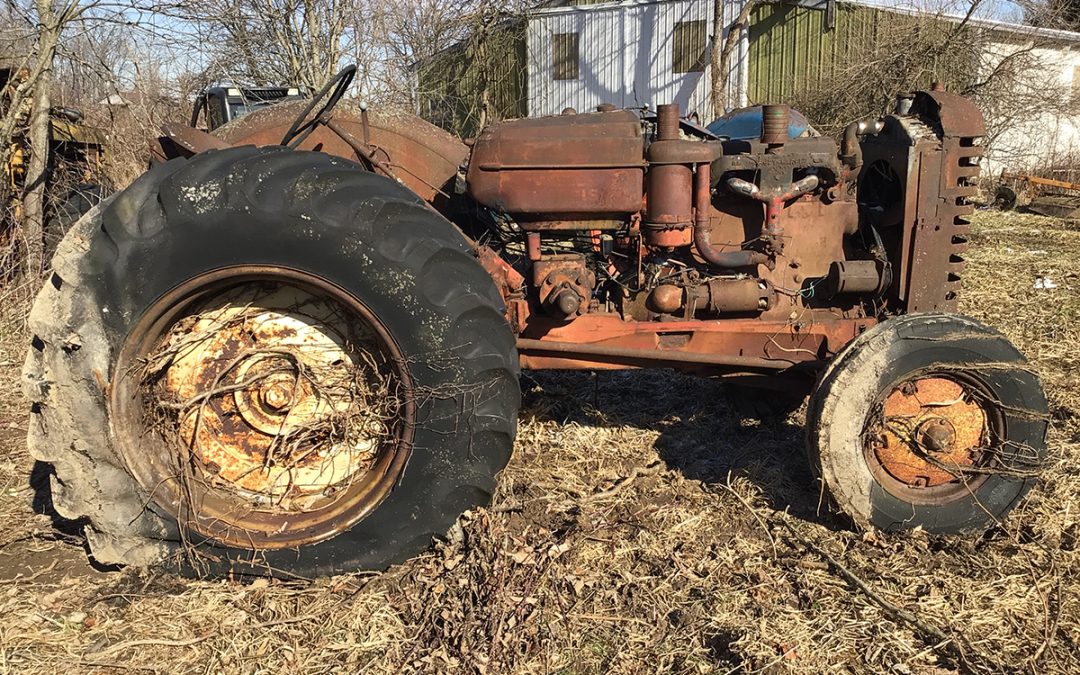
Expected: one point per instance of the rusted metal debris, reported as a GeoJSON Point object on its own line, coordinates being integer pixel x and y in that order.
{"type": "Point", "coordinates": [1067, 208]}
{"type": "Point", "coordinates": [1051, 197]}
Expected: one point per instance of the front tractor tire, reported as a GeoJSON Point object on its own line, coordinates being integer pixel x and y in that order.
{"type": "Point", "coordinates": [263, 361]}
{"type": "Point", "coordinates": [928, 420]}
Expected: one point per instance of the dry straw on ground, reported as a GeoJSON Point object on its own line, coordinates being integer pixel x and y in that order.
{"type": "Point", "coordinates": [641, 527]}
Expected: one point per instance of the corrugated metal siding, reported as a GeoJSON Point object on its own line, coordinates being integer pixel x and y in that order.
{"type": "Point", "coordinates": [464, 88]}
{"type": "Point", "coordinates": [792, 50]}
{"type": "Point", "coordinates": [626, 57]}
{"type": "Point", "coordinates": [601, 63]}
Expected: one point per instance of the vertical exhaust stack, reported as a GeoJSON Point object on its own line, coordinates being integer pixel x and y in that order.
{"type": "Point", "coordinates": [775, 120]}
{"type": "Point", "coordinates": [670, 211]}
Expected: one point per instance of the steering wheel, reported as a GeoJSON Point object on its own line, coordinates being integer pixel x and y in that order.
{"type": "Point", "coordinates": [302, 126]}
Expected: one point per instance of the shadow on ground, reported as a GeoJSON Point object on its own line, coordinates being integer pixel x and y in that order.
{"type": "Point", "coordinates": [55, 546]}
{"type": "Point", "coordinates": [705, 430]}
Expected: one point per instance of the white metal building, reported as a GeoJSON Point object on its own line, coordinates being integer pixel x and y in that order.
{"type": "Point", "coordinates": [644, 52]}
{"type": "Point", "coordinates": [630, 53]}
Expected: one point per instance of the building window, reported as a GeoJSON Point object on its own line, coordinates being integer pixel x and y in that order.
{"type": "Point", "coordinates": [688, 53]}
{"type": "Point", "coordinates": [565, 55]}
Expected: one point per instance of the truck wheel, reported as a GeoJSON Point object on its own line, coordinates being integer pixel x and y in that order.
{"type": "Point", "coordinates": [263, 361]}
{"type": "Point", "coordinates": [928, 420]}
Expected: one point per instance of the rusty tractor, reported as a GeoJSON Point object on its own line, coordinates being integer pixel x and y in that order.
{"type": "Point", "coordinates": [292, 347]}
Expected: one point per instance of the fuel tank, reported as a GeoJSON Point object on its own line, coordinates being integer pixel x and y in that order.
{"type": "Point", "coordinates": [557, 172]}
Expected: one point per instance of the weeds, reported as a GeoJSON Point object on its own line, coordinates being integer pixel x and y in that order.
{"type": "Point", "coordinates": [642, 526]}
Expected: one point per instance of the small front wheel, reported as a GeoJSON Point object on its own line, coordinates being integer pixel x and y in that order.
{"type": "Point", "coordinates": [928, 420]}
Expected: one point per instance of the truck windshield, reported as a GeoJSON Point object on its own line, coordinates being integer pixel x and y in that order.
{"type": "Point", "coordinates": [238, 107]}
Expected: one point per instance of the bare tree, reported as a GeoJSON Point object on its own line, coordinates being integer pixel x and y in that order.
{"type": "Point", "coordinates": [300, 42]}
{"type": "Point", "coordinates": [1012, 74]}
{"type": "Point", "coordinates": [52, 19]}
{"type": "Point", "coordinates": [722, 54]}
{"type": "Point", "coordinates": [44, 33]}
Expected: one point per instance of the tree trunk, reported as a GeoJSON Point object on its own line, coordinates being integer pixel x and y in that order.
{"type": "Point", "coordinates": [37, 170]}
{"type": "Point", "coordinates": [721, 54]}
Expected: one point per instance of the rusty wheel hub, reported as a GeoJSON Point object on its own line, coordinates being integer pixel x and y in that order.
{"type": "Point", "coordinates": [281, 407]}
{"type": "Point", "coordinates": [931, 433]}
{"type": "Point", "coordinates": [274, 401]}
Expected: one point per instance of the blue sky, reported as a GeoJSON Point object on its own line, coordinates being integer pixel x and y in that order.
{"type": "Point", "coordinates": [1001, 10]}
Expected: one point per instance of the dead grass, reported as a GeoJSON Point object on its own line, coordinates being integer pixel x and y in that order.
{"type": "Point", "coordinates": [640, 528]}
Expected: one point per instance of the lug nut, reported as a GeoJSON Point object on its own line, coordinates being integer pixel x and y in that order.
{"type": "Point", "coordinates": [276, 396]}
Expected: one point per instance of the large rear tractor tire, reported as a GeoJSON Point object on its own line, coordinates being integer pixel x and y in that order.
{"type": "Point", "coordinates": [66, 212]}
{"type": "Point", "coordinates": [269, 362]}
{"type": "Point", "coordinates": [928, 420]}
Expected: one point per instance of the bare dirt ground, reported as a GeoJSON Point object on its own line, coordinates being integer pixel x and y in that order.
{"type": "Point", "coordinates": [643, 526]}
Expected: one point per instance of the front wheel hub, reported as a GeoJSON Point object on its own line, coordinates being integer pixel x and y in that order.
{"type": "Point", "coordinates": [930, 440]}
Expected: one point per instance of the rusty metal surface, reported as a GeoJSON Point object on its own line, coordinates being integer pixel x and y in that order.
{"type": "Point", "coordinates": [670, 201]}
{"type": "Point", "coordinates": [930, 159]}
{"type": "Point", "coordinates": [509, 282]}
{"type": "Point", "coordinates": [775, 199]}
{"type": "Point", "coordinates": [684, 151]}
{"type": "Point", "coordinates": [423, 157]}
{"type": "Point", "coordinates": [631, 354]}
{"type": "Point", "coordinates": [192, 141]}
{"type": "Point", "coordinates": [286, 367]}
{"type": "Point", "coordinates": [775, 120]}
{"type": "Point", "coordinates": [569, 167]}
{"type": "Point", "coordinates": [779, 344]}
{"type": "Point", "coordinates": [703, 230]}
{"type": "Point", "coordinates": [727, 295]}
{"type": "Point", "coordinates": [667, 121]}
{"type": "Point", "coordinates": [665, 299]}
{"type": "Point", "coordinates": [1039, 181]}
{"type": "Point", "coordinates": [813, 235]}
{"type": "Point", "coordinates": [945, 182]}
{"type": "Point", "coordinates": [929, 432]}
{"type": "Point", "coordinates": [867, 277]}
{"type": "Point", "coordinates": [568, 178]}
{"type": "Point", "coordinates": [959, 117]}
{"type": "Point", "coordinates": [1054, 205]}
{"type": "Point", "coordinates": [564, 225]}
{"type": "Point", "coordinates": [244, 387]}
{"type": "Point", "coordinates": [1066, 208]}
{"type": "Point", "coordinates": [564, 284]}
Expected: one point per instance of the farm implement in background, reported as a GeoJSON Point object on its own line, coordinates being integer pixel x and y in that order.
{"type": "Point", "coordinates": [1049, 197]}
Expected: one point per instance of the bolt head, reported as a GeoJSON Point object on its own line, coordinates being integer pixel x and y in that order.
{"type": "Point", "coordinates": [276, 396]}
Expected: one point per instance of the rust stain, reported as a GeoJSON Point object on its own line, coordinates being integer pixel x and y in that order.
{"type": "Point", "coordinates": [262, 380]}
{"type": "Point", "coordinates": [102, 383]}
{"type": "Point", "coordinates": [423, 157]}
{"type": "Point", "coordinates": [216, 507]}
{"type": "Point", "coordinates": [588, 167]}
{"type": "Point", "coordinates": [930, 418]}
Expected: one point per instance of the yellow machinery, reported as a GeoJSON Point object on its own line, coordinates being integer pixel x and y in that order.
{"type": "Point", "coordinates": [76, 159]}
